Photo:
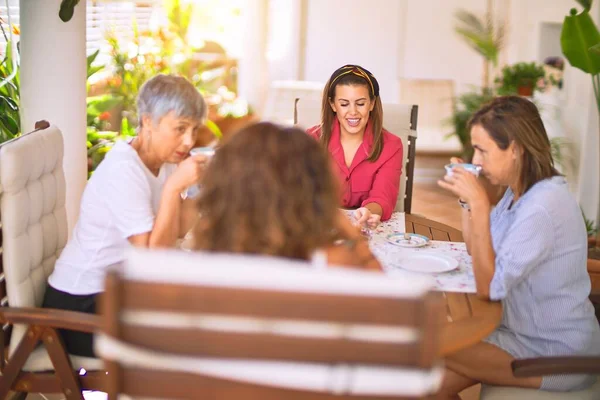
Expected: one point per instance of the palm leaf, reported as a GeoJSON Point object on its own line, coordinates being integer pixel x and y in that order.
{"type": "Point", "coordinates": [586, 4]}
{"type": "Point", "coordinates": [481, 36]}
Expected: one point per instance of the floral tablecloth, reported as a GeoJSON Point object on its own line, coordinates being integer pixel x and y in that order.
{"type": "Point", "coordinates": [458, 280]}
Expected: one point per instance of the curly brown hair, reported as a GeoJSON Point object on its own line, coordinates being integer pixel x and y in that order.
{"type": "Point", "coordinates": [268, 190]}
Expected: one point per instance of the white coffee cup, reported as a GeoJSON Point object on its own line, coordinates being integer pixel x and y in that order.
{"type": "Point", "coordinates": [206, 151]}
{"type": "Point", "coordinates": [472, 168]}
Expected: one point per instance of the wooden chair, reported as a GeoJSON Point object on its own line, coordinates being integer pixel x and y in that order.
{"type": "Point", "coordinates": [215, 326]}
{"type": "Point", "coordinates": [34, 232]}
{"type": "Point", "coordinates": [399, 119]}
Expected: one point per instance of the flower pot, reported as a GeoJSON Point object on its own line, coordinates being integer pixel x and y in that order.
{"type": "Point", "coordinates": [526, 91]}
{"type": "Point", "coordinates": [230, 125]}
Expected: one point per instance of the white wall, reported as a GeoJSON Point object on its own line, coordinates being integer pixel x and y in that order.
{"type": "Point", "coordinates": [354, 32]}
{"type": "Point", "coordinates": [433, 50]}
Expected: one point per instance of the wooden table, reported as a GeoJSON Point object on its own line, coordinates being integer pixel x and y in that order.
{"type": "Point", "coordinates": [468, 319]}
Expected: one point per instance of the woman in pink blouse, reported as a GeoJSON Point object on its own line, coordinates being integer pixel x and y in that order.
{"type": "Point", "coordinates": [367, 158]}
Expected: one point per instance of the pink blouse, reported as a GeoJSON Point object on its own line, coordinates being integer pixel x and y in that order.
{"type": "Point", "coordinates": [367, 182]}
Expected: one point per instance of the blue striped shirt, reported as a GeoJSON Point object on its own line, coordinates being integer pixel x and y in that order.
{"type": "Point", "coordinates": [541, 275]}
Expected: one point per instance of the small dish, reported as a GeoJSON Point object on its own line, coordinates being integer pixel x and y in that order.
{"type": "Point", "coordinates": [428, 263]}
{"type": "Point", "coordinates": [415, 240]}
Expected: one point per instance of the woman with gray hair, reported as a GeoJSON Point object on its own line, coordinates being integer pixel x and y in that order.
{"type": "Point", "coordinates": [133, 198]}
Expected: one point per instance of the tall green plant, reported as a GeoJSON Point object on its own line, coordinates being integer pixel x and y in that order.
{"type": "Point", "coordinates": [10, 119]}
{"type": "Point", "coordinates": [180, 16]}
{"type": "Point", "coordinates": [580, 42]}
{"type": "Point", "coordinates": [10, 94]}
{"type": "Point", "coordinates": [485, 36]}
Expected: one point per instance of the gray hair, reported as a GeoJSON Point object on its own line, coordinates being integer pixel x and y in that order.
{"type": "Point", "coordinates": [162, 94]}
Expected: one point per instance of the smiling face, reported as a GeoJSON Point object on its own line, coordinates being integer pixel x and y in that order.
{"type": "Point", "coordinates": [172, 137]}
{"type": "Point", "coordinates": [499, 166]}
{"type": "Point", "coordinates": [352, 106]}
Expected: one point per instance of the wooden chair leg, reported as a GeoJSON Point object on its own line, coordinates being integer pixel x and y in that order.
{"type": "Point", "coordinates": [19, 396]}
{"type": "Point", "coordinates": [18, 359]}
{"type": "Point", "coordinates": [62, 364]}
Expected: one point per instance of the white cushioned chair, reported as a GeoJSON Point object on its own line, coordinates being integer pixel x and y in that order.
{"type": "Point", "coordinates": [282, 95]}
{"type": "Point", "coordinates": [225, 326]}
{"type": "Point", "coordinates": [34, 232]}
{"type": "Point", "coordinates": [399, 119]}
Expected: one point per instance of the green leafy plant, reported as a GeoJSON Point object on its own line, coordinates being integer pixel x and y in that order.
{"type": "Point", "coordinates": [465, 106]}
{"type": "Point", "coordinates": [520, 78]}
{"type": "Point", "coordinates": [179, 17]}
{"type": "Point", "coordinates": [589, 225]}
{"type": "Point", "coordinates": [485, 36]}
{"type": "Point", "coordinates": [98, 106]}
{"type": "Point", "coordinates": [67, 9]}
{"type": "Point", "coordinates": [10, 119]}
{"type": "Point", "coordinates": [580, 42]}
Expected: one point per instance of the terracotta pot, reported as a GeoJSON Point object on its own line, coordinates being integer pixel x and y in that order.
{"type": "Point", "coordinates": [227, 125]}
{"type": "Point", "coordinates": [526, 91]}
{"type": "Point", "coordinates": [230, 125]}
{"type": "Point", "coordinates": [593, 265]}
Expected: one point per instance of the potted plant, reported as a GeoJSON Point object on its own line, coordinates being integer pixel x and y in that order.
{"type": "Point", "coordinates": [464, 106]}
{"type": "Point", "coordinates": [520, 78]}
{"type": "Point", "coordinates": [580, 42]}
{"type": "Point", "coordinates": [486, 37]}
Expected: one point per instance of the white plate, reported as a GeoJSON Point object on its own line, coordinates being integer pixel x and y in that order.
{"type": "Point", "coordinates": [428, 263]}
{"type": "Point", "coordinates": [416, 240]}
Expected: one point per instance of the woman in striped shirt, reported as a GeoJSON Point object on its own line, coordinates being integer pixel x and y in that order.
{"type": "Point", "coordinates": [529, 252]}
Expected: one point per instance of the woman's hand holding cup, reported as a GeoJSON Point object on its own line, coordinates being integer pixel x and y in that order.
{"type": "Point", "coordinates": [189, 172]}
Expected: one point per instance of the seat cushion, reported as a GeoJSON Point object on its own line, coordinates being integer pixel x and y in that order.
{"type": "Point", "coordinates": [40, 361]}
{"type": "Point", "coordinates": [489, 392]}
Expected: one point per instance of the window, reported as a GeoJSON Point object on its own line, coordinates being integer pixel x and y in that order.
{"type": "Point", "coordinates": [101, 15]}
{"type": "Point", "coordinates": [105, 15]}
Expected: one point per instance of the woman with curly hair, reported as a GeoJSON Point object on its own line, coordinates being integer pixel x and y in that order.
{"type": "Point", "coordinates": [270, 190]}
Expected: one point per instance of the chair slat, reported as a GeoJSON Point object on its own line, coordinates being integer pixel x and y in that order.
{"type": "Point", "coordinates": [423, 230]}
{"type": "Point", "coordinates": [440, 235]}
{"type": "Point", "coordinates": [178, 385]}
{"type": "Point", "coordinates": [262, 303]}
{"type": "Point", "coordinates": [201, 343]}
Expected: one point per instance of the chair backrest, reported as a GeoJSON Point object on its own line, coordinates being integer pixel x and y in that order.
{"type": "Point", "coordinates": [245, 327]}
{"type": "Point", "coordinates": [399, 119]}
{"type": "Point", "coordinates": [282, 96]}
{"type": "Point", "coordinates": [33, 215]}
{"type": "Point", "coordinates": [435, 98]}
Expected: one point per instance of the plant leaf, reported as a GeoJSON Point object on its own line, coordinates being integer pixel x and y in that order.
{"type": "Point", "coordinates": [67, 9]}
{"type": "Point", "coordinates": [99, 104]}
{"type": "Point", "coordinates": [214, 128]}
{"type": "Point", "coordinates": [586, 4]}
{"type": "Point", "coordinates": [579, 34]}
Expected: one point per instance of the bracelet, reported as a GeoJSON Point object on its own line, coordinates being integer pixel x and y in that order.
{"type": "Point", "coordinates": [464, 205]}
